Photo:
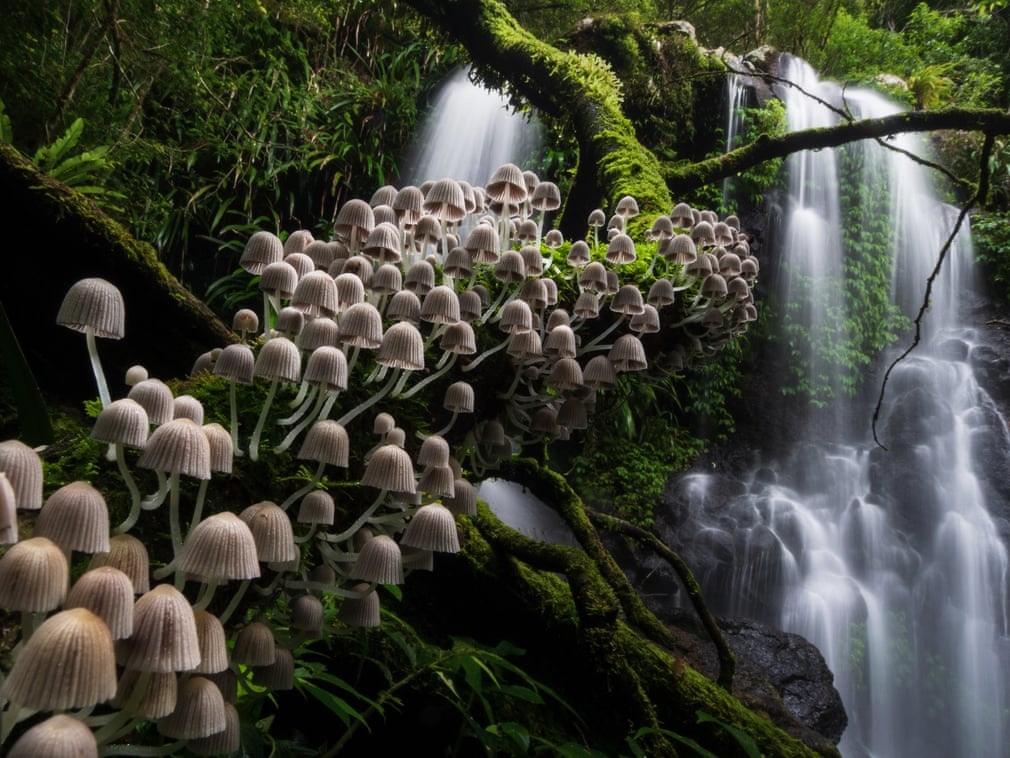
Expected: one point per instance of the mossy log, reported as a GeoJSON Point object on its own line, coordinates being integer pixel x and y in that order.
{"type": "Point", "coordinates": [55, 237]}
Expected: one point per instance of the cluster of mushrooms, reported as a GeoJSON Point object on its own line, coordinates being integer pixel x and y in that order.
{"type": "Point", "coordinates": [415, 280]}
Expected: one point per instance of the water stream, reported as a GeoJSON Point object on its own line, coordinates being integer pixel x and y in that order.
{"type": "Point", "coordinates": [888, 561]}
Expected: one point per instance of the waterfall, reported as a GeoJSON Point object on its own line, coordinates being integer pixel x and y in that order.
{"type": "Point", "coordinates": [888, 560]}
{"type": "Point", "coordinates": [469, 132]}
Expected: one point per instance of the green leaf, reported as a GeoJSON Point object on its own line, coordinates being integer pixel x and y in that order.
{"type": "Point", "coordinates": [335, 704]}
{"type": "Point", "coordinates": [744, 740]}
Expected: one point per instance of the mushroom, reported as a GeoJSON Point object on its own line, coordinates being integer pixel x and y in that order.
{"type": "Point", "coordinates": [94, 306]}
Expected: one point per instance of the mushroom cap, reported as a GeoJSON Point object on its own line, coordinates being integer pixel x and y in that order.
{"type": "Point", "coordinates": [459, 338]}
{"type": "Point", "coordinates": [290, 322]}
{"type": "Point", "coordinates": [470, 305]}
{"type": "Point", "coordinates": [254, 645]}
{"type": "Point", "coordinates": [213, 643]}
{"type": "Point", "coordinates": [355, 219]}
{"type": "Point", "coordinates": [464, 501]}
{"type": "Point", "coordinates": [458, 263]}
{"type": "Point", "coordinates": [572, 414]}
{"type": "Point", "coordinates": [593, 277]}
{"type": "Point", "coordinates": [164, 633]}
{"type": "Point", "coordinates": [507, 185]}
{"type": "Point", "coordinates": [301, 263]}
{"type": "Point", "coordinates": [383, 423]}
{"type": "Point", "coordinates": [279, 278]}
{"type": "Point", "coordinates": [379, 561]}
{"type": "Point", "coordinates": [599, 373]}
{"type": "Point", "coordinates": [327, 368]}
{"type": "Point", "coordinates": [59, 736]}
{"type": "Point", "coordinates": [316, 294]}
{"type": "Point", "coordinates": [326, 442]}
{"type": "Point", "coordinates": [561, 342]}
{"type": "Point", "coordinates": [621, 249]}
{"type": "Point", "coordinates": [434, 451]}
{"type": "Point", "coordinates": [222, 449]}
{"type": "Point", "coordinates": [516, 316]}
{"type": "Point", "coordinates": [360, 611]}
{"type": "Point", "coordinates": [279, 359]}
{"type": "Point", "coordinates": [578, 254]}
{"type": "Point", "coordinates": [69, 662]}
{"type": "Point", "coordinates": [628, 354]}
{"type": "Point", "coordinates": [245, 320]}
{"type": "Point", "coordinates": [445, 201]}
{"type": "Point", "coordinates": [459, 397]}
{"type": "Point", "coordinates": [187, 406]}
{"type": "Point", "coordinates": [23, 468]}
{"type": "Point", "coordinates": [156, 702]}
{"type": "Point", "coordinates": [179, 447]}
{"type": "Point", "coordinates": [402, 347]}
{"type": "Point", "coordinates": [350, 290]}
{"type": "Point", "coordinates": [272, 532]}
{"type": "Point", "coordinates": [404, 306]}
{"type": "Point", "coordinates": [123, 422]}
{"type": "Point", "coordinates": [566, 374]}
{"type": "Point", "coordinates": [440, 305]}
{"type": "Point", "coordinates": [437, 481]}
{"type": "Point", "coordinates": [279, 675]}
{"type": "Point", "coordinates": [261, 249]}
{"type": "Point", "coordinates": [546, 197]}
{"type": "Point", "coordinates": [390, 469]}
{"type": "Point", "coordinates": [628, 300]}
{"type": "Point", "coordinates": [108, 593]}
{"type": "Point", "coordinates": [199, 711]}
{"type": "Point", "coordinates": [320, 253]}
{"type": "Point", "coordinates": [661, 293]}
{"type": "Point", "coordinates": [525, 346]}
{"type": "Point", "coordinates": [361, 326]}
{"type": "Point", "coordinates": [34, 575]}
{"type": "Point", "coordinates": [129, 555]}
{"type": "Point", "coordinates": [535, 293]}
{"type": "Point", "coordinates": [307, 613]}
{"type": "Point", "coordinates": [8, 512]}
{"type": "Point", "coordinates": [433, 527]}
{"type": "Point", "coordinates": [420, 278]}
{"type": "Point", "coordinates": [225, 742]}
{"type": "Point", "coordinates": [387, 279]}
{"type": "Point", "coordinates": [318, 332]}
{"type": "Point", "coordinates": [408, 204]}
{"type": "Point", "coordinates": [587, 305]}
{"type": "Point", "coordinates": [317, 507]}
{"type": "Point", "coordinates": [156, 397]}
{"type": "Point", "coordinates": [94, 304]}
{"type": "Point", "coordinates": [220, 547]}
{"type": "Point", "coordinates": [646, 322]}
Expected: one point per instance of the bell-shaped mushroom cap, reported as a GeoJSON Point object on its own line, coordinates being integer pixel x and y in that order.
{"type": "Point", "coordinates": [179, 447]}
{"type": "Point", "coordinates": [566, 374]}
{"type": "Point", "coordinates": [593, 277]}
{"type": "Point", "coordinates": [123, 422]}
{"type": "Point", "coordinates": [307, 613]}
{"type": "Point", "coordinates": [525, 346]}
{"type": "Point", "coordinates": [8, 512]}
{"type": "Point", "coordinates": [93, 304]}
{"type": "Point", "coordinates": [682, 216]}
{"type": "Point", "coordinates": [420, 278]}
{"type": "Point", "coordinates": [224, 742]}
{"type": "Point", "coordinates": [387, 280]}
{"type": "Point", "coordinates": [254, 645]}
{"type": "Point", "coordinates": [703, 234]}
{"type": "Point", "coordinates": [464, 501]}
{"type": "Point", "coordinates": [279, 675]}
{"type": "Point", "coordinates": [261, 249]}
{"type": "Point", "coordinates": [587, 305]}
{"type": "Point", "coordinates": [158, 699]}
{"type": "Point", "coordinates": [385, 195]}
{"type": "Point", "coordinates": [572, 414]}
{"type": "Point", "coordinates": [621, 249]}
{"type": "Point", "coordinates": [69, 662]}
{"type": "Point", "coordinates": [434, 451]}
{"type": "Point", "coordinates": [360, 611]}
{"type": "Point", "coordinates": [627, 354]}
{"type": "Point", "coordinates": [627, 206]}
{"type": "Point", "coordinates": [316, 294]}
{"type": "Point", "coordinates": [390, 469]}
{"type": "Point", "coordinates": [700, 266]}
{"type": "Point", "coordinates": [599, 373]}
{"type": "Point", "coordinates": [383, 423]}
{"type": "Point", "coordinates": [359, 266]}
{"type": "Point", "coordinates": [402, 347]}
{"type": "Point", "coordinates": [516, 316]}
{"type": "Point", "coordinates": [714, 286]}
{"type": "Point", "coordinates": [199, 711]}
{"type": "Point", "coordinates": [440, 306]}
{"type": "Point", "coordinates": [470, 305]}
{"type": "Point", "coordinates": [661, 293]}
{"type": "Point", "coordinates": [437, 481]}
{"type": "Point", "coordinates": [317, 333]}
{"type": "Point", "coordinates": [350, 290]}
{"type": "Point", "coordinates": [320, 253]}
{"type": "Point", "coordinates": [301, 263]}
{"type": "Point", "coordinates": [222, 449]}
{"type": "Point", "coordinates": [427, 231]}
{"type": "Point", "coordinates": [108, 593]}
{"type": "Point", "coordinates": [187, 406]}
{"type": "Point", "coordinates": [433, 527]}
{"type": "Point", "coordinates": [156, 398]}
{"type": "Point", "coordinates": [533, 262]}
{"type": "Point", "coordinates": [546, 197]}
{"type": "Point", "coordinates": [679, 249]}
{"type": "Point", "coordinates": [561, 342]}
{"type": "Point", "coordinates": [646, 322]}
{"type": "Point", "coordinates": [662, 228]}
{"type": "Point", "coordinates": [34, 576]}
{"type": "Point", "coordinates": [354, 222]}
{"type": "Point", "coordinates": [280, 279]}
{"type": "Point", "coordinates": [507, 185]}
{"type": "Point", "coordinates": [59, 736]}
{"type": "Point", "coordinates": [554, 239]}
{"type": "Point", "coordinates": [459, 397]}
{"type": "Point", "coordinates": [327, 368]}
{"type": "Point", "coordinates": [396, 436]}
{"type": "Point", "coordinates": [326, 442]}
{"type": "Point", "coordinates": [245, 320]}
{"type": "Point", "coordinates": [379, 561]}
{"type": "Point", "coordinates": [534, 293]}
{"type": "Point", "coordinates": [361, 326]}
{"type": "Point", "coordinates": [459, 338]}
{"type": "Point", "coordinates": [290, 322]}
{"type": "Point", "coordinates": [408, 204]}
{"type": "Point", "coordinates": [444, 200]}
{"type": "Point", "coordinates": [404, 306]}
{"type": "Point", "coordinates": [129, 555]}
{"type": "Point", "coordinates": [458, 263]}
{"type": "Point", "coordinates": [220, 547]}
{"type": "Point", "coordinates": [279, 359]}
{"type": "Point", "coordinates": [271, 529]}
{"type": "Point", "coordinates": [76, 517]}
{"type": "Point", "coordinates": [24, 472]}
{"type": "Point", "coordinates": [317, 507]}
{"type": "Point", "coordinates": [164, 633]}
{"type": "Point", "coordinates": [213, 643]}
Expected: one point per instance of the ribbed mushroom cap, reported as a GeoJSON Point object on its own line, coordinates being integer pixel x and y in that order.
{"type": "Point", "coordinates": [534, 293]}
{"type": "Point", "coordinates": [359, 266]}
{"type": "Point", "coordinates": [627, 354]}
{"type": "Point", "coordinates": [199, 711]}
{"type": "Point", "coordinates": [578, 254]}
{"type": "Point", "coordinates": [628, 300]}
{"type": "Point", "coordinates": [444, 200]}
{"type": "Point", "coordinates": [8, 512]}
{"type": "Point", "coordinates": [702, 234]}
{"type": "Point", "coordinates": [525, 346]}
{"type": "Point", "coordinates": [307, 613]}
{"type": "Point", "coordinates": [129, 555]}
{"type": "Point", "coordinates": [187, 406]}
{"type": "Point", "coordinates": [318, 332]}
{"type": "Point", "coordinates": [380, 561]}
{"type": "Point", "coordinates": [646, 322]}
{"type": "Point", "coordinates": [245, 320]}
{"type": "Point", "coordinates": [483, 244]}
{"type": "Point", "coordinates": [297, 241]}
{"type": "Point", "coordinates": [661, 293]}
{"type": "Point", "coordinates": [360, 611]}
{"type": "Point", "coordinates": [544, 420]}
{"type": "Point", "coordinates": [213, 643]}
{"type": "Point", "coordinates": [164, 633]}
{"type": "Point", "coordinates": [179, 447]}
{"type": "Point", "coordinates": [587, 305]}
{"type": "Point", "coordinates": [749, 268]}
{"type": "Point", "coordinates": [361, 326]}
{"type": "Point", "coordinates": [599, 373]}
{"type": "Point", "coordinates": [662, 228]}
{"type": "Point", "coordinates": [408, 204]}
{"type": "Point", "coordinates": [156, 398]}
{"type": "Point", "coordinates": [554, 239]}
{"type": "Point", "coordinates": [279, 359]}
{"type": "Point", "coordinates": [402, 347]}
{"type": "Point", "coordinates": [279, 278]}
{"type": "Point", "coordinates": [59, 736]}
{"type": "Point", "coordinates": [326, 442]}
{"type": "Point", "coordinates": [681, 216]}
{"type": "Point", "coordinates": [354, 222]}
{"type": "Point", "coordinates": [317, 507]}
{"type": "Point", "coordinates": [385, 195]}
{"type": "Point", "coordinates": [427, 231]}
{"type": "Point", "coordinates": [220, 547]}
{"type": "Point", "coordinates": [440, 306]}
{"type": "Point", "coordinates": [572, 414]}
{"type": "Point", "coordinates": [387, 280]}
{"type": "Point", "coordinates": [516, 316]}
{"type": "Point", "coordinates": [723, 233]}
{"type": "Point", "coordinates": [714, 286]}
{"type": "Point", "coordinates": [459, 338]}
{"type": "Point", "coordinates": [566, 374]}
{"type": "Point", "coordinates": [729, 265]}
{"type": "Point", "coordinates": [561, 342]}
{"type": "Point", "coordinates": [434, 451]}
{"type": "Point", "coordinates": [546, 197]}
{"type": "Point", "coordinates": [123, 422]}
{"type": "Point", "coordinates": [350, 291]}
{"type": "Point", "coordinates": [510, 267]}
{"type": "Point", "coordinates": [433, 527]}
{"type": "Point", "coordinates": [396, 436]}
{"type": "Point", "coordinates": [290, 322]}
{"type": "Point", "coordinates": [712, 318]}
{"type": "Point", "coordinates": [327, 368]}
{"type": "Point", "coordinates": [320, 253]}
{"type": "Point", "coordinates": [533, 262]}
{"type": "Point", "coordinates": [458, 263]}
{"type": "Point", "coordinates": [69, 662]}
{"type": "Point", "coordinates": [621, 249]}
{"type": "Point", "coordinates": [94, 304]}
{"type": "Point", "coordinates": [459, 397]}
{"type": "Point", "coordinates": [390, 469]}
{"type": "Point", "coordinates": [316, 294]}
{"type": "Point", "coordinates": [254, 645]}
{"type": "Point", "coordinates": [301, 263]}
{"type": "Point", "coordinates": [108, 593]}
{"type": "Point", "coordinates": [261, 249]}
{"type": "Point", "coordinates": [464, 501]}
{"type": "Point", "coordinates": [420, 278]}
{"type": "Point", "coordinates": [222, 449]}
{"type": "Point", "coordinates": [75, 517]}
{"type": "Point", "coordinates": [507, 185]}
{"type": "Point", "coordinates": [159, 698]}
{"type": "Point", "coordinates": [593, 277]}
{"type": "Point", "coordinates": [23, 468]}
{"type": "Point", "coordinates": [404, 306]}
{"type": "Point", "coordinates": [679, 249]}
{"type": "Point", "coordinates": [34, 576]}
{"type": "Point", "coordinates": [383, 423]}
{"type": "Point", "coordinates": [279, 675]}
{"type": "Point", "coordinates": [224, 742]}
{"type": "Point", "coordinates": [271, 529]}
{"type": "Point", "coordinates": [323, 574]}
{"type": "Point", "coordinates": [470, 305]}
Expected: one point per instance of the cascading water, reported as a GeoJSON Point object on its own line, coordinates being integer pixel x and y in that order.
{"type": "Point", "coordinates": [888, 561]}
{"type": "Point", "coordinates": [470, 132]}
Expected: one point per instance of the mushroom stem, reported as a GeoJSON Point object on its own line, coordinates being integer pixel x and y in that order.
{"type": "Point", "coordinates": [173, 513]}
{"type": "Point", "coordinates": [477, 361]}
{"type": "Point", "coordinates": [233, 411]}
{"type": "Point", "coordinates": [143, 751]}
{"type": "Point", "coordinates": [317, 412]}
{"type": "Point", "coordinates": [441, 432]}
{"type": "Point", "coordinates": [307, 488]}
{"type": "Point", "coordinates": [131, 485]}
{"type": "Point", "coordinates": [363, 406]}
{"type": "Point", "coordinates": [112, 729]}
{"type": "Point", "coordinates": [305, 400]}
{"type": "Point", "coordinates": [604, 334]}
{"type": "Point", "coordinates": [333, 589]}
{"type": "Point", "coordinates": [358, 523]}
{"type": "Point", "coordinates": [96, 366]}
{"type": "Point", "coordinates": [151, 502]}
{"type": "Point", "coordinates": [425, 382]}
{"type": "Point", "coordinates": [254, 443]}
{"type": "Point", "coordinates": [201, 497]}
{"type": "Point", "coordinates": [308, 535]}
{"type": "Point", "coordinates": [206, 594]}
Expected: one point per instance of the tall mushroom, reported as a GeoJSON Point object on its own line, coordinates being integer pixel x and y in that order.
{"type": "Point", "coordinates": [94, 306]}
